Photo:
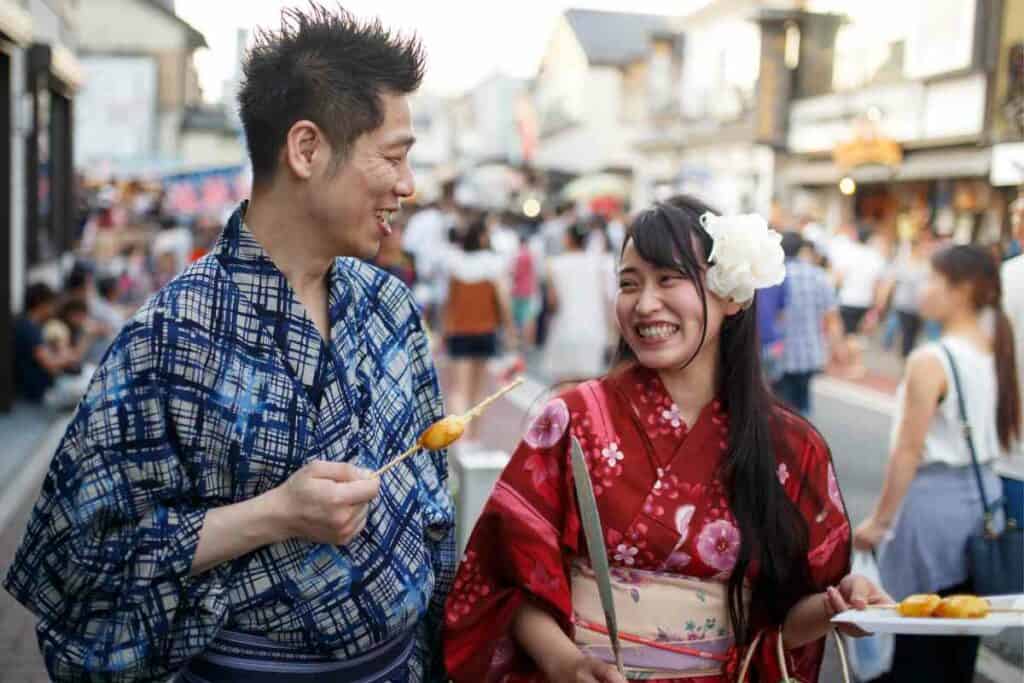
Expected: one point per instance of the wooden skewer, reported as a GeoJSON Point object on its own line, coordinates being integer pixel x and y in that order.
{"type": "Point", "coordinates": [475, 412]}
{"type": "Point", "coordinates": [467, 417]}
{"type": "Point", "coordinates": [992, 610]}
{"type": "Point", "coordinates": [408, 454]}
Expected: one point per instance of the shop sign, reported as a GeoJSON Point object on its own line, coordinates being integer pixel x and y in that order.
{"type": "Point", "coordinates": [873, 151]}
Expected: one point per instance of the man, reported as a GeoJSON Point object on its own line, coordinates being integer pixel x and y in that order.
{"type": "Point", "coordinates": [810, 313]}
{"type": "Point", "coordinates": [210, 510]}
{"type": "Point", "coordinates": [44, 373]}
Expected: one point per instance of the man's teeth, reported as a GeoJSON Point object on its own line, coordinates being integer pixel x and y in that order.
{"type": "Point", "coordinates": [384, 216]}
{"type": "Point", "coordinates": [657, 331]}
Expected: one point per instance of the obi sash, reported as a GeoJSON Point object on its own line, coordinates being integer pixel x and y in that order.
{"type": "Point", "coordinates": [236, 657]}
{"type": "Point", "coordinates": [670, 626]}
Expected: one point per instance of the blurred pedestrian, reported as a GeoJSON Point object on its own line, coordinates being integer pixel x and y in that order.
{"type": "Point", "coordinates": [425, 239]}
{"type": "Point", "coordinates": [858, 266]}
{"type": "Point", "coordinates": [580, 308]}
{"type": "Point", "coordinates": [810, 324]}
{"type": "Point", "coordinates": [524, 294]}
{"type": "Point", "coordinates": [930, 504]}
{"type": "Point", "coordinates": [475, 313]}
{"type": "Point", "coordinates": [48, 373]}
{"type": "Point", "coordinates": [771, 301]}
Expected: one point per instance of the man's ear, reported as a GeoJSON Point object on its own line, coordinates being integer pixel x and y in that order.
{"type": "Point", "coordinates": [304, 148]}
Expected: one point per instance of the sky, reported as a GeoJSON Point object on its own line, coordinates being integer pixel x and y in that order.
{"type": "Point", "coordinates": [466, 40]}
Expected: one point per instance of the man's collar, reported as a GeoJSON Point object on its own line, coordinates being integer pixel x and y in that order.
{"type": "Point", "coordinates": [237, 241]}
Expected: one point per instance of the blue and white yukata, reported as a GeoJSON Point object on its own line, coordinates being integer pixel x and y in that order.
{"type": "Point", "coordinates": [218, 390]}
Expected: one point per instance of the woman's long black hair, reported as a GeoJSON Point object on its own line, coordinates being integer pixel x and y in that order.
{"type": "Point", "coordinates": [774, 535]}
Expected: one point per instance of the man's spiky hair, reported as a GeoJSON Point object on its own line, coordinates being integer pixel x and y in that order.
{"type": "Point", "coordinates": [326, 66]}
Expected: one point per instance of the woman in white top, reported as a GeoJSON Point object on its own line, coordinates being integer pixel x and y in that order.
{"type": "Point", "coordinates": [578, 294]}
{"type": "Point", "coordinates": [930, 504]}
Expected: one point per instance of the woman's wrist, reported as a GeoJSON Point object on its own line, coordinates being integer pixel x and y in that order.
{"type": "Point", "coordinates": [807, 621]}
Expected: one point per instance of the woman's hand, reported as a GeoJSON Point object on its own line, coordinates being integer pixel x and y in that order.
{"type": "Point", "coordinates": [585, 669]}
{"type": "Point", "coordinates": [853, 592]}
{"type": "Point", "coordinates": [869, 535]}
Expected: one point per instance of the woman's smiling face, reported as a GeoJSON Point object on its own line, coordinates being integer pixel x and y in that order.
{"type": "Point", "coordinates": [661, 315]}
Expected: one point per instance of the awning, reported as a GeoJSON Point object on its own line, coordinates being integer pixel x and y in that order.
{"type": "Point", "coordinates": [15, 23]}
{"type": "Point", "coordinates": [933, 164]}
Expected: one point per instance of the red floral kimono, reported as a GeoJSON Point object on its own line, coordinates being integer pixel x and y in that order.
{"type": "Point", "coordinates": [662, 507]}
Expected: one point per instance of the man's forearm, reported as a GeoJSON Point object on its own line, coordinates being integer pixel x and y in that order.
{"type": "Point", "coordinates": [234, 530]}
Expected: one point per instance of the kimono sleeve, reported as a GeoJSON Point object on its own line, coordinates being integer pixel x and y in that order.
{"type": "Point", "coordinates": [809, 479]}
{"type": "Point", "coordinates": [516, 553]}
{"type": "Point", "coordinates": [105, 561]}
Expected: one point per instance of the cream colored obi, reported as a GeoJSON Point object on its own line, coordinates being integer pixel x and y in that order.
{"type": "Point", "coordinates": [670, 626]}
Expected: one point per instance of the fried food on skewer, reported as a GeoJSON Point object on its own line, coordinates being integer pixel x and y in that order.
{"type": "Point", "coordinates": [919, 605]}
{"type": "Point", "coordinates": [953, 607]}
{"type": "Point", "coordinates": [448, 429]}
{"type": "Point", "coordinates": [963, 607]}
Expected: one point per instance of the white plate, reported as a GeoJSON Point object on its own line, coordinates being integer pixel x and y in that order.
{"type": "Point", "coordinates": [889, 621]}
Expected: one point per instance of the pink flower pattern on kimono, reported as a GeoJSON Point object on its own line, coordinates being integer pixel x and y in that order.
{"type": "Point", "coordinates": [611, 454]}
{"type": "Point", "coordinates": [548, 427]}
{"type": "Point", "coordinates": [718, 545]}
{"type": "Point", "coordinates": [626, 554]}
{"type": "Point", "coordinates": [678, 559]}
{"type": "Point", "coordinates": [783, 473]}
{"type": "Point", "coordinates": [469, 587]}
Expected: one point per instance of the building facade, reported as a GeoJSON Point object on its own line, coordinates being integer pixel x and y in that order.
{"type": "Point", "coordinates": [141, 84]}
{"type": "Point", "coordinates": [896, 135]}
{"type": "Point", "coordinates": [590, 92]}
{"type": "Point", "coordinates": [39, 80]}
{"type": "Point", "coordinates": [701, 134]}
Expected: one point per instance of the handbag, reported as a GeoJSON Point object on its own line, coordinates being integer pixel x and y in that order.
{"type": "Point", "coordinates": [781, 654]}
{"type": "Point", "coordinates": [995, 558]}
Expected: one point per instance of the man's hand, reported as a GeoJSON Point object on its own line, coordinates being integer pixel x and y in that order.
{"type": "Point", "coordinates": [324, 502]}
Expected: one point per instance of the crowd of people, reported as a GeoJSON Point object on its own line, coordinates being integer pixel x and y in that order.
{"type": "Point", "coordinates": [128, 246]}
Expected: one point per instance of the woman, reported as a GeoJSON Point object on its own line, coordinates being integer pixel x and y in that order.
{"type": "Point", "coordinates": [723, 521]}
{"type": "Point", "coordinates": [923, 544]}
{"type": "Point", "coordinates": [577, 295]}
{"type": "Point", "coordinates": [476, 309]}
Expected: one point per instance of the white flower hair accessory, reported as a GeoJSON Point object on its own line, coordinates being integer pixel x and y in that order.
{"type": "Point", "coordinates": [746, 256]}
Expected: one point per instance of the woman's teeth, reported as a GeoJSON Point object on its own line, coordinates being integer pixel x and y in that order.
{"type": "Point", "coordinates": [657, 331]}
{"type": "Point", "coordinates": [385, 216]}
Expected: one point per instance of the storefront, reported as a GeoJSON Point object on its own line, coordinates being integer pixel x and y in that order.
{"type": "Point", "coordinates": [897, 158]}
{"type": "Point", "coordinates": [15, 33]}
{"type": "Point", "coordinates": [52, 78]}
{"type": "Point", "coordinates": [943, 190]}
{"type": "Point", "coordinates": [38, 78]}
